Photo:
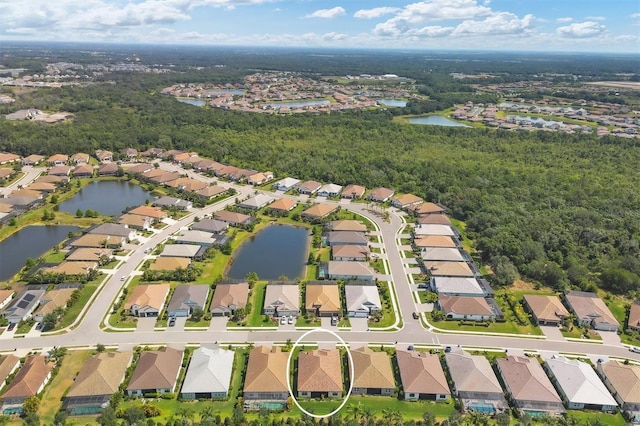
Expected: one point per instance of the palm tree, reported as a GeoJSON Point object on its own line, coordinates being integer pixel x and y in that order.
{"type": "Point", "coordinates": [354, 411]}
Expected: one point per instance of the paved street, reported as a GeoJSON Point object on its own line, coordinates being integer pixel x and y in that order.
{"type": "Point", "coordinates": [88, 332]}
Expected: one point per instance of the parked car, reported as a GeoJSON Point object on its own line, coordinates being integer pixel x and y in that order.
{"type": "Point", "coordinates": [410, 348]}
{"type": "Point", "coordinates": [334, 321]}
{"type": "Point", "coordinates": [11, 326]}
{"type": "Point", "coordinates": [172, 321]}
{"type": "Point", "coordinates": [291, 319]}
{"type": "Point", "coordinates": [39, 326]}
{"type": "Point", "coordinates": [283, 320]}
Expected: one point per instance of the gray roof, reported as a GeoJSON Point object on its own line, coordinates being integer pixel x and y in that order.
{"type": "Point", "coordinates": [197, 237]}
{"type": "Point", "coordinates": [457, 285]}
{"type": "Point", "coordinates": [286, 183]}
{"type": "Point", "coordinates": [441, 253]}
{"type": "Point", "coordinates": [18, 201]}
{"type": "Point", "coordinates": [434, 229]}
{"type": "Point", "coordinates": [188, 297]}
{"type": "Point", "coordinates": [579, 382]}
{"type": "Point", "coordinates": [362, 298]}
{"type": "Point", "coordinates": [347, 237]}
{"type": "Point", "coordinates": [210, 225]}
{"type": "Point", "coordinates": [209, 371]}
{"type": "Point", "coordinates": [348, 269]}
{"type": "Point", "coordinates": [171, 201]}
{"type": "Point", "coordinates": [256, 202]}
{"type": "Point", "coordinates": [180, 250]}
{"type": "Point", "coordinates": [23, 304]}
{"type": "Point", "coordinates": [112, 229]}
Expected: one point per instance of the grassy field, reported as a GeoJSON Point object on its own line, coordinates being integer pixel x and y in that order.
{"type": "Point", "coordinates": [52, 396]}
{"type": "Point", "coordinates": [495, 327]}
{"type": "Point", "coordinates": [589, 417]}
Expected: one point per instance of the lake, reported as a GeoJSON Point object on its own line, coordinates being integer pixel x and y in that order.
{"type": "Point", "coordinates": [299, 104]}
{"type": "Point", "coordinates": [106, 197]}
{"type": "Point", "coordinates": [392, 102]}
{"type": "Point", "coordinates": [196, 102]}
{"type": "Point", "coordinates": [29, 242]}
{"type": "Point", "coordinates": [436, 120]}
{"type": "Point", "coordinates": [275, 251]}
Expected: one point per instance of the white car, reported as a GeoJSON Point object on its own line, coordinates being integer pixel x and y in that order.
{"type": "Point", "coordinates": [635, 349]}
{"type": "Point", "coordinates": [283, 320]}
{"type": "Point", "coordinates": [291, 319]}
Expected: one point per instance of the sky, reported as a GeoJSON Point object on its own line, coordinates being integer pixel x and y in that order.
{"type": "Point", "coordinates": [508, 25]}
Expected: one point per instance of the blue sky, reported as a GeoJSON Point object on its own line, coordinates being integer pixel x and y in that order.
{"type": "Point", "coordinates": [530, 25]}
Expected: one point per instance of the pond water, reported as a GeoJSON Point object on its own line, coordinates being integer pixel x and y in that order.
{"type": "Point", "coordinates": [275, 251]}
{"type": "Point", "coordinates": [436, 120]}
{"type": "Point", "coordinates": [30, 242]}
{"type": "Point", "coordinates": [106, 197]}
{"type": "Point", "coordinates": [196, 102]}
{"type": "Point", "coordinates": [299, 104]}
{"type": "Point", "coordinates": [392, 102]}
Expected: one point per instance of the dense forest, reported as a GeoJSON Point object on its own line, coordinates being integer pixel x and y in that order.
{"type": "Point", "coordinates": [554, 208]}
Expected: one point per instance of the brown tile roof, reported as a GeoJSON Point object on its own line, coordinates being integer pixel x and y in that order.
{"type": "Point", "coordinates": [634, 315]}
{"type": "Point", "coordinates": [448, 269]}
{"type": "Point", "coordinates": [187, 184]}
{"type": "Point", "coordinates": [227, 216]}
{"type": "Point", "coordinates": [152, 295]}
{"type": "Point", "coordinates": [320, 371]}
{"type": "Point", "coordinates": [230, 294]}
{"type": "Point", "coordinates": [421, 372]}
{"type": "Point", "coordinates": [266, 370]}
{"type": "Point", "coordinates": [7, 157]}
{"type": "Point", "coordinates": [350, 251]}
{"type": "Point", "coordinates": [58, 157]}
{"type": "Point", "coordinates": [157, 370]}
{"type": "Point", "coordinates": [211, 191]}
{"type": "Point", "coordinates": [149, 211]}
{"type": "Point", "coordinates": [434, 241]}
{"type": "Point", "coordinates": [140, 168]}
{"type": "Point", "coordinates": [625, 379]}
{"type": "Point", "coordinates": [52, 179]}
{"type": "Point", "coordinates": [5, 294]}
{"type": "Point", "coordinates": [428, 208]}
{"type": "Point", "coordinates": [589, 305]}
{"type": "Point", "coordinates": [309, 186]}
{"type": "Point", "coordinates": [8, 364]}
{"type": "Point", "coordinates": [407, 199]}
{"type": "Point", "coordinates": [107, 168]}
{"type": "Point", "coordinates": [546, 308]}
{"type": "Point", "coordinates": [80, 157]}
{"type": "Point", "coordinates": [133, 220]}
{"type": "Point", "coordinates": [73, 268]}
{"type": "Point", "coordinates": [4, 172]}
{"type": "Point", "coordinates": [101, 374]}
{"type": "Point", "coordinates": [33, 158]}
{"type": "Point", "coordinates": [96, 240]}
{"type": "Point", "coordinates": [82, 170]}
{"type": "Point", "coordinates": [30, 377]}
{"type": "Point", "coordinates": [170, 263]}
{"type": "Point", "coordinates": [348, 225]}
{"type": "Point", "coordinates": [59, 171]}
{"type": "Point", "coordinates": [26, 193]}
{"type": "Point", "coordinates": [324, 297]}
{"type": "Point", "coordinates": [372, 369]}
{"type": "Point", "coordinates": [283, 204]}
{"type": "Point", "coordinates": [465, 305]}
{"type": "Point", "coordinates": [42, 186]}
{"type": "Point", "coordinates": [434, 219]}
{"type": "Point", "coordinates": [320, 210]}
{"type": "Point", "coordinates": [54, 299]}
{"type": "Point", "coordinates": [349, 190]}
{"type": "Point", "coordinates": [526, 379]}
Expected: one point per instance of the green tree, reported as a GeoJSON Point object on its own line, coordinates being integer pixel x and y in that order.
{"type": "Point", "coordinates": [60, 418]}
{"type": "Point", "coordinates": [32, 419]}
{"type": "Point", "coordinates": [100, 348]}
{"type": "Point", "coordinates": [79, 213]}
{"type": "Point", "coordinates": [252, 278]}
{"type": "Point", "coordinates": [197, 314]}
{"type": "Point", "coordinates": [31, 405]}
{"type": "Point", "coordinates": [49, 321]}
{"type": "Point", "coordinates": [107, 417]}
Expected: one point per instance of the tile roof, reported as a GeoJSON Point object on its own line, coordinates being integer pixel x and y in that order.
{"type": "Point", "coordinates": [434, 241]}
{"type": "Point", "coordinates": [464, 305]}
{"type": "Point", "coordinates": [151, 295]}
{"type": "Point", "coordinates": [546, 308]}
{"type": "Point", "coordinates": [227, 295]}
{"type": "Point", "coordinates": [30, 377]}
{"type": "Point", "coordinates": [156, 370]}
{"type": "Point", "coordinates": [266, 370]}
{"type": "Point", "coordinates": [101, 374]}
{"type": "Point", "coordinates": [352, 189]}
{"type": "Point", "coordinates": [320, 371]}
{"type": "Point", "coordinates": [320, 210]}
{"type": "Point", "coordinates": [588, 305]}
{"type": "Point", "coordinates": [284, 296]}
{"type": "Point", "coordinates": [209, 371]}
{"type": "Point", "coordinates": [284, 204]}
{"type": "Point", "coordinates": [448, 269]}
{"type": "Point", "coordinates": [472, 373]}
{"type": "Point", "coordinates": [421, 372]}
{"type": "Point", "coordinates": [326, 298]}
{"type": "Point", "coordinates": [625, 379]}
{"type": "Point", "coordinates": [371, 369]}
{"type": "Point", "coordinates": [579, 382]}
{"type": "Point", "coordinates": [347, 225]}
{"type": "Point", "coordinates": [170, 263]}
{"type": "Point", "coordinates": [527, 380]}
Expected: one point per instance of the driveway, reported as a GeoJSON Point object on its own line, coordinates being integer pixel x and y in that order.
{"type": "Point", "coordinates": [359, 324]}
{"type": "Point", "coordinates": [552, 333]}
{"type": "Point", "coordinates": [146, 324]}
{"type": "Point", "coordinates": [610, 338]}
{"type": "Point", "coordinates": [218, 323]}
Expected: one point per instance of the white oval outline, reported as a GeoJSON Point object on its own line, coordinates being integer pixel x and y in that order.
{"type": "Point", "coordinates": [346, 398]}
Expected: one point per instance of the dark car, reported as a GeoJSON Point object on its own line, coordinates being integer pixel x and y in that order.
{"type": "Point", "coordinates": [172, 321]}
{"type": "Point", "coordinates": [11, 326]}
{"type": "Point", "coordinates": [447, 349]}
{"type": "Point", "coordinates": [415, 315]}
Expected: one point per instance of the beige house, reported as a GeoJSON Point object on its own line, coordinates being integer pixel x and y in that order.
{"type": "Point", "coordinates": [320, 374]}
{"type": "Point", "coordinates": [634, 316]}
{"type": "Point", "coordinates": [546, 310]}
{"type": "Point", "coordinates": [589, 309]}
{"type": "Point", "coordinates": [319, 211]}
{"type": "Point", "coordinates": [422, 376]}
{"type": "Point", "coordinates": [323, 300]}
{"type": "Point", "coordinates": [353, 191]}
{"type": "Point", "coordinates": [170, 263]}
{"type": "Point", "coordinates": [266, 375]}
{"type": "Point", "coordinates": [147, 300]}
{"type": "Point", "coordinates": [372, 373]}
{"type": "Point", "coordinates": [623, 381]}
{"type": "Point", "coordinates": [227, 298]}
{"type": "Point", "coordinates": [30, 381]}
{"type": "Point", "coordinates": [52, 300]}
{"type": "Point", "coordinates": [157, 372]}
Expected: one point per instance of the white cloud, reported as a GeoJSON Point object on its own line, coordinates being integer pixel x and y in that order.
{"type": "Point", "coordinates": [375, 12]}
{"type": "Point", "coordinates": [500, 23]}
{"type": "Point", "coordinates": [595, 18]}
{"type": "Point", "coordinates": [442, 10]}
{"type": "Point", "coordinates": [564, 20]}
{"type": "Point", "coordinates": [635, 15]}
{"type": "Point", "coordinates": [582, 30]}
{"type": "Point", "coordinates": [327, 13]}
{"type": "Point", "coordinates": [432, 32]}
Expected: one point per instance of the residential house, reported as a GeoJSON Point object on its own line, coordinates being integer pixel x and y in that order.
{"type": "Point", "coordinates": [89, 254]}
{"type": "Point", "coordinates": [141, 168]}
{"type": "Point", "coordinates": [256, 202]}
{"type": "Point", "coordinates": [83, 171]}
{"type": "Point", "coordinates": [114, 229]}
{"type": "Point", "coordinates": [108, 169]}
{"type": "Point", "coordinates": [161, 176]}
{"type": "Point", "coordinates": [434, 219]}
{"type": "Point", "coordinates": [188, 251]}
{"type": "Point", "coordinates": [362, 300]}
{"type": "Point", "coordinates": [104, 156]}
{"type": "Point", "coordinates": [209, 374]}
{"type": "Point", "coordinates": [201, 238]}
{"type": "Point", "coordinates": [429, 229]}
{"type": "Point", "coordinates": [233, 218]}
{"type": "Point", "coordinates": [529, 386]}
{"type": "Point", "coordinates": [32, 160]}
{"type": "Point", "coordinates": [98, 240]}
{"type": "Point", "coordinates": [130, 153]}
{"type": "Point", "coordinates": [545, 310]}
{"type": "Point", "coordinates": [156, 372]}
{"type": "Point", "coordinates": [465, 308]}
{"type": "Point", "coordinates": [23, 305]}
{"type": "Point", "coordinates": [428, 208]}
{"type": "Point", "coordinates": [9, 364]}
{"type": "Point", "coordinates": [266, 375]}
{"type": "Point", "coordinates": [61, 170]}
{"type": "Point", "coordinates": [457, 286]}
{"type": "Point", "coordinates": [353, 191]}
{"type": "Point", "coordinates": [171, 154]}
{"type": "Point", "coordinates": [51, 301]}
{"type": "Point", "coordinates": [170, 263]}
{"type": "Point", "coordinates": [6, 296]}
{"type": "Point", "coordinates": [134, 221]}
{"type": "Point", "coordinates": [5, 173]}
{"type": "Point", "coordinates": [346, 237]}
{"type": "Point", "coordinates": [30, 381]}
{"type": "Point", "coordinates": [623, 381]}
{"type": "Point", "coordinates": [227, 298]}
{"type": "Point", "coordinates": [210, 192]}
{"type": "Point", "coordinates": [309, 187]}
{"type": "Point", "coordinates": [286, 184]}
{"type": "Point", "coordinates": [98, 379]}
{"type": "Point", "coordinates": [406, 201]}
{"type": "Point", "coordinates": [186, 299]}
{"type": "Point", "coordinates": [260, 178]}
{"type": "Point", "coordinates": [323, 300]}
{"type": "Point", "coordinates": [372, 374]}
{"type": "Point", "coordinates": [27, 193]}
{"type": "Point", "coordinates": [210, 225]}
{"type": "Point", "coordinates": [579, 385]}
{"type": "Point", "coordinates": [282, 300]}
{"type": "Point", "coordinates": [21, 203]}
{"type": "Point", "coordinates": [172, 202]}
{"type": "Point", "coordinates": [434, 241]}
{"type": "Point", "coordinates": [634, 316]}
{"type": "Point", "coordinates": [448, 269]}
{"type": "Point", "coordinates": [422, 376]}
{"type": "Point", "coordinates": [475, 383]}
{"type": "Point", "coordinates": [147, 300]}
{"type": "Point", "coordinates": [7, 157]}
{"type": "Point", "coordinates": [282, 205]}
{"type": "Point", "coordinates": [347, 225]}
{"type": "Point", "coordinates": [53, 179]}
{"type": "Point", "coordinates": [381, 195]}
{"type": "Point", "coordinates": [319, 211]}
{"type": "Point", "coordinates": [348, 252]}
{"type": "Point", "coordinates": [80, 158]}
{"type": "Point", "coordinates": [442, 253]}
{"type": "Point", "coordinates": [57, 160]}
{"type": "Point", "coordinates": [81, 269]}
{"type": "Point", "coordinates": [42, 187]}
{"type": "Point", "coordinates": [338, 270]}
{"type": "Point", "coordinates": [590, 310]}
{"type": "Point", "coordinates": [154, 213]}
{"type": "Point", "coordinates": [320, 374]}
{"type": "Point", "coordinates": [152, 153]}
{"type": "Point", "coordinates": [186, 184]}
{"type": "Point", "coordinates": [330, 190]}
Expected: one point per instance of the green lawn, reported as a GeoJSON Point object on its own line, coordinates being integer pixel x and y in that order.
{"type": "Point", "coordinates": [53, 257]}
{"type": "Point", "coordinates": [496, 327]}
{"type": "Point", "coordinates": [255, 318]}
{"type": "Point", "coordinates": [588, 417]}
{"type": "Point", "coordinates": [388, 313]}
{"type": "Point", "coordinates": [74, 311]}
